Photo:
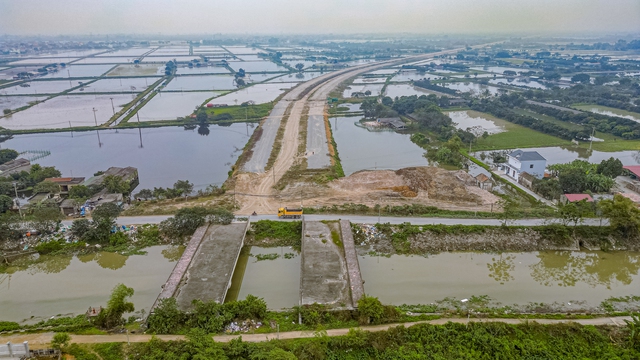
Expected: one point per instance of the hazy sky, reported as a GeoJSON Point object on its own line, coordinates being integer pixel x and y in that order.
{"type": "Point", "coordinates": [54, 17]}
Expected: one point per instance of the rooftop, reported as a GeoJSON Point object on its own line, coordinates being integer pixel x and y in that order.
{"type": "Point", "coordinates": [395, 122]}
{"type": "Point", "coordinates": [482, 178]}
{"type": "Point", "coordinates": [66, 180]}
{"type": "Point", "coordinates": [526, 155]}
{"type": "Point", "coordinates": [635, 169]}
{"type": "Point", "coordinates": [578, 197]}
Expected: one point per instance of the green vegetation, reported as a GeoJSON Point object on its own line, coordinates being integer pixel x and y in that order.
{"type": "Point", "coordinates": [275, 233]}
{"type": "Point", "coordinates": [187, 220]}
{"type": "Point", "coordinates": [238, 112]}
{"type": "Point", "coordinates": [262, 257]}
{"type": "Point", "coordinates": [422, 341]}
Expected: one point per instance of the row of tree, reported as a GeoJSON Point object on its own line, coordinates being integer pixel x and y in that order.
{"type": "Point", "coordinates": [579, 177]}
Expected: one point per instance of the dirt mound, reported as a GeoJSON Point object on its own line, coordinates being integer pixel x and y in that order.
{"type": "Point", "coordinates": [368, 181]}
{"type": "Point", "coordinates": [440, 184]}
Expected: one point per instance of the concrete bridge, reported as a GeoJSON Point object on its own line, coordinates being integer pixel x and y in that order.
{"type": "Point", "coordinates": [329, 275]}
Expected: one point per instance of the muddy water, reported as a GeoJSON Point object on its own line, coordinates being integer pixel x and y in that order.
{"type": "Point", "coordinates": [277, 281]}
{"type": "Point", "coordinates": [70, 284]}
{"type": "Point", "coordinates": [510, 278]}
{"type": "Point", "coordinates": [361, 149]}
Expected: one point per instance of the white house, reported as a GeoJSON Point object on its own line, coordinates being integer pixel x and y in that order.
{"type": "Point", "coordinates": [519, 162]}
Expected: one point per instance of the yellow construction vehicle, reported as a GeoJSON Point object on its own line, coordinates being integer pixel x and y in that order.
{"type": "Point", "coordinates": [286, 213]}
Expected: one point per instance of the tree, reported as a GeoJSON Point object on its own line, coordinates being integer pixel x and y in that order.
{"type": "Point", "coordinates": [183, 187]}
{"type": "Point", "coordinates": [622, 213]}
{"type": "Point", "coordinates": [60, 340]}
{"type": "Point", "coordinates": [6, 203]}
{"type": "Point", "coordinates": [45, 217]}
{"type": "Point", "coordinates": [574, 212]}
{"type": "Point", "coordinates": [367, 93]}
{"type": "Point", "coordinates": [572, 181]}
{"type": "Point", "coordinates": [300, 66]}
{"type": "Point", "coordinates": [116, 185]}
{"type": "Point", "coordinates": [201, 116]}
{"type": "Point", "coordinates": [581, 78]}
{"type": "Point", "coordinates": [106, 213]}
{"type": "Point", "coordinates": [46, 187]}
{"type": "Point", "coordinates": [387, 101]}
{"type": "Point", "coordinates": [368, 107]}
{"type": "Point", "coordinates": [117, 305]}
{"type": "Point", "coordinates": [80, 192]}
{"type": "Point", "coordinates": [611, 167]}
{"type": "Point", "coordinates": [80, 227]}
{"type": "Point", "coordinates": [183, 223]}
{"type": "Point", "coordinates": [240, 73]}
{"type": "Point", "coordinates": [6, 111]}
{"type": "Point", "coordinates": [145, 194]}
{"type": "Point", "coordinates": [370, 310]}
{"type": "Point", "coordinates": [7, 155]}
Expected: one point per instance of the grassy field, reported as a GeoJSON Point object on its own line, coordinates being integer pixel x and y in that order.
{"type": "Point", "coordinates": [516, 136]}
{"type": "Point", "coordinates": [253, 112]}
{"type": "Point", "coordinates": [564, 124]}
{"type": "Point", "coordinates": [588, 107]}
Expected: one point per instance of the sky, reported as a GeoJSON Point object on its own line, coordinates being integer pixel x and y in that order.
{"type": "Point", "coordinates": [70, 17]}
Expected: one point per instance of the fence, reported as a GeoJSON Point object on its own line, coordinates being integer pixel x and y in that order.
{"type": "Point", "coordinates": [14, 350]}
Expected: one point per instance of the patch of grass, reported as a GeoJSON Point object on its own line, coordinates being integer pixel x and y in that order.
{"type": "Point", "coordinates": [335, 237]}
{"type": "Point", "coordinates": [275, 233]}
{"type": "Point", "coordinates": [262, 257]}
{"type": "Point", "coordinates": [253, 112]}
{"type": "Point", "coordinates": [515, 136]}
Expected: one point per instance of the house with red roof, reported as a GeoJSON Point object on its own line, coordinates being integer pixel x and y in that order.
{"type": "Point", "coordinates": [567, 198]}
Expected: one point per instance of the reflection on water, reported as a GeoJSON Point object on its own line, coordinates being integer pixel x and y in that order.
{"type": "Point", "coordinates": [277, 281]}
{"type": "Point", "coordinates": [361, 149]}
{"type": "Point", "coordinates": [64, 284]}
{"type": "Point", "coordinates": [563, 268]}
{"type": "Point", "coordinates": [510, 278]}
{"type": "Point", "coordinates": [566, 154]}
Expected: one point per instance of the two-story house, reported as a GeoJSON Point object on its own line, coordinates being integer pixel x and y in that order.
{"type": "Point", "coordinates": [530, 162]}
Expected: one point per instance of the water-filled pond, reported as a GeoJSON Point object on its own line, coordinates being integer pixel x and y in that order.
{"type": "Point", "coordinates": [561, 155]}
{"type": "Point", "coordinates": [14, 102]}
{"type": "Point", "coordinates": [414, 75]}
{"type": "Point", "coordinates": [170, 105]}
{"type": "Point", "coordinates": [76, 71]}
{"type": "Point", "coordinates": [126, 85]}
{"type": "Point", "coordinates": [362, 149]}
{"type": "Point", "coordinates": [277, 281]}
{"type": "Point", "coordinates": [472, 87]}
{"type": "Point", "coordinates": [463, 120]}
{"type": "Point", "coordinates": [399, 90]}
{"type": "Point", "coordinates": [609, 111]}
{"type": "Point", "coordinates": [67, 111]}
{"type": "Point", "coordinates": [510, 278]}
{"type": "Point", "coordinates": [256, 66]}
{"type": "Point", "coordinates": [374, 88]}
{"type": "Point", "coordinates": [259, 93]}
{"type": "Point", "coordinates": [65, 284]}
{"type": "Point", "coordinates": [167, 154]}
{"type": "Point", "coordinates": [40, 87]}
{"type": "Point", "coordinates": [210, 82]}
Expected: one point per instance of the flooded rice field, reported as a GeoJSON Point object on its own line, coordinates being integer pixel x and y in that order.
{"type": "Point", "coordinates": [463, 120]}
{"type": "Point", "coordinates": [106, 60]}
{"type": "Point", "coordinates": [165, 59]}
{"type": "Point", "coordinates": [202, 70]}
{"type": "Point", "coordinates": [139, 51]}
{"type": "Point", "coordinates": [530, 84]}
{"type": "Point", "coordinates": [257, 66]}
{"type": "Point", "coordinates": [472, 87]}
{"type": "Point", "coordinates": [370, 80]}
{"type": "Point", "coordinates": [171, 105]}
{"type": "Point", "coordinates": [65, 284]}
{"type": "Point", "coordinates": [277, 281]}
{"type": "Point", "coordinates": [66, 111]}
{"type": "Point", "coordinates": [510, 278]}
{"type": "Point", "coordinates": [374, 88]}
{"type": "Point", "coordinates": [561, 155]}
{"type": "Point", "coordinates": [362, 149]}
{"type": "Point", "coordinates": [411, 76]}
{"type": "Point", "coordinates": [137, 70]}
{"type": "Point", "coordinates": [604, 110]}
{"type": "Point", "coordinates": [127, 85]}
{"type": "Point", "coordinates": [78, 71]}
{"type": "Point", "coordinates": [40, 87]}
{"type": "Point", "coordinates": [405, 90]}
{"type": "Point", "coordinates": [44, 61]}
{"type": "Point", "coordinates": [211, 82]}
{"type": "Point", "coordinates": [14, 102]}
{"type": "Point", "coordinates": [259, 94]}
{"type": "Point", "coordinates": [83, 153]}
{"type": "Point", "coordinates": [297, 77]}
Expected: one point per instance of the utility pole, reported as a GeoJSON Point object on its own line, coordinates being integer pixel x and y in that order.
{"type": "Point", "coordinates": [17, 203]}
{"type": "Point", "coordinates": [94, 116]}
{"type": "Point", "coordinates": [70, 129]}
{"type": "Point", "coordinates": [112, 107]}
{"type": "Point", "coordinates": [273, 171]}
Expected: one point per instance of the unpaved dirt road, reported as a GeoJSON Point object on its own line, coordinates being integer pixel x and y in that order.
{"type": "Point", "coordinates": [41, 340]}
{"type": "Point", "coordinates": [312, 93]}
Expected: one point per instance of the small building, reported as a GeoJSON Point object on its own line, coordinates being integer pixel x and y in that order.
{"type": "Point", "coordinates": [103, 198]}
{"type": "Point", "coordinates": [66, 183]}
{"type": "Point", "coordinates": [526, 179]}
{"type": "Point", "coordinates": [128, 175]}
{"type": "Point", "coordinates": [520, 161]}
{"type": "Point", "coordinates": [567, 198]}
{"type": "Point", "coordinates": [394, 123]}
{"type": "Point", "coordinates": [632, 171]}
{"type": "Point", "coordinates": [69, 207]}
{"type": "Point", "coordinates": [15, 166]}
{"type": "Point", "coordinates": [484, 182]}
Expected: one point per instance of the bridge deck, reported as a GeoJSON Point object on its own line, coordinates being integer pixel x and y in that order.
{"type": "Point", "coordinates": [323, 276]}
{"type": "Point", "coordinates": [209, 275]}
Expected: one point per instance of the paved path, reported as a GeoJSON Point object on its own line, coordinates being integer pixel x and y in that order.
{"type": "Point", "coordinates": [40, 340]}
{"type": "Point", "coordinates": [136, 220]}
{"type": "Point", "coordinates": [523, 188]}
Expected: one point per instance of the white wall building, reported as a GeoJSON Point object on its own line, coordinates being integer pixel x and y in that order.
{"type": "Point", "coordinates": [519, 162]}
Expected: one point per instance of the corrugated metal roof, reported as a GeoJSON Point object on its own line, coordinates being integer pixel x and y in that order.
{"type": "Point", "coordinates": [578, 197]}
{"type": "Point", "coordinates": [527, 155]}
